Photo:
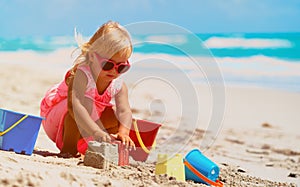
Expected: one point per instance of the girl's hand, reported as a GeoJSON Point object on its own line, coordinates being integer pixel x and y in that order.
{"type": "Point", "coordinates": [126, 140]}
{"type": "Point", "coordinates": [102, 136]}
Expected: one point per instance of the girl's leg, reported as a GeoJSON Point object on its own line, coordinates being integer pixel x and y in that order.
{"type": "Point", "coordinates": [71, 135]}
{"type": "Point", "coordinates": [109, 121]}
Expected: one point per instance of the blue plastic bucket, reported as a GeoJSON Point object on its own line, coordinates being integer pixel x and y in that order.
{"type": "Point", "coordinates": [202, 164]}
{"type": "Point", "coordinates": [18, 132]}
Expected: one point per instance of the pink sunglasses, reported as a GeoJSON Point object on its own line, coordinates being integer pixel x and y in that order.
{"type": "Point", "coordinates": [108, 64]}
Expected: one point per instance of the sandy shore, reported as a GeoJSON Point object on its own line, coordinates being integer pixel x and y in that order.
{"type": "Point", "coordinates": [257, 144]}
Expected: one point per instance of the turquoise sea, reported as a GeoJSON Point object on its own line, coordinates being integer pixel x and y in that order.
{"type": "Point", "coordinates": [270, 60]}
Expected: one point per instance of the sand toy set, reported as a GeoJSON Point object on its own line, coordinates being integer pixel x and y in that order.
{"type": "Point", "coordinates": [195, 166]}
{"type": "Point", "coordinates": [18, 133]}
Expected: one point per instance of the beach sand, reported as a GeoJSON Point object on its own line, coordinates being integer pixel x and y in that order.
{"type": "Point", "coordinates": [256, 145]}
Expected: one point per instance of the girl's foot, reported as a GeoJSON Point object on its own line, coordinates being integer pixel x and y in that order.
{"type": "Point", "coordinates": [68, 155]}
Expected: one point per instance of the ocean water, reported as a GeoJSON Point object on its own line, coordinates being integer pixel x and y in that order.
{"type": "Point", "coordinates": [269, 60]}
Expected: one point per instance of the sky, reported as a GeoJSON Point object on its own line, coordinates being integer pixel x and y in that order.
{"type": "Point", "coordinates": [20, 18]}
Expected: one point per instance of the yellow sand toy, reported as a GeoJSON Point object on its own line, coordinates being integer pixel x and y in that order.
{"type": "Point", "coordinates": [171, 166]}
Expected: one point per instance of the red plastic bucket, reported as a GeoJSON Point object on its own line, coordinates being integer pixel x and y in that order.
{"type": "Point", "coordinates": [143, 135]}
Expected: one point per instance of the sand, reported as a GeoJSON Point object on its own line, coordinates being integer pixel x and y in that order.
{"type": "Point", "coordinates": [256, 145]}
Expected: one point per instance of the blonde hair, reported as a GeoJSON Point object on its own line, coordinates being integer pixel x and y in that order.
{"type": "Point", "coordinates": [111, 38]}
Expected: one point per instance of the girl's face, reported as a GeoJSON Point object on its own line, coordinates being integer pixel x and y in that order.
{"type": "Point", "coordinates": [109, 69]}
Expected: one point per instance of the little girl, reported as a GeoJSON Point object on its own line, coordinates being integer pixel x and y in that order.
{"type": "Point", "coordinates": [80, 106]}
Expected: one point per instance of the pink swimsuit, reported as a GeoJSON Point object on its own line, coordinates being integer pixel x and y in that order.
{"type": "Point", "coordinates": [54, 105]}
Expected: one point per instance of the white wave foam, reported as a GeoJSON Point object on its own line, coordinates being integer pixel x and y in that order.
{"type": "Point", "coordinates": [246, 71]}
{"type": "Point", "coordinates": [222, 42]}
{"type": "Point", "coordinates": [255, 67]}
{"type": "Point", "coordinates": [259, 66]}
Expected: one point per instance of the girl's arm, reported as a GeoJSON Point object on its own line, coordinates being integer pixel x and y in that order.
{"type": "Point", "coordinates": [80, 110]}
{"type": "Point", "coordinates": [124, 115]}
